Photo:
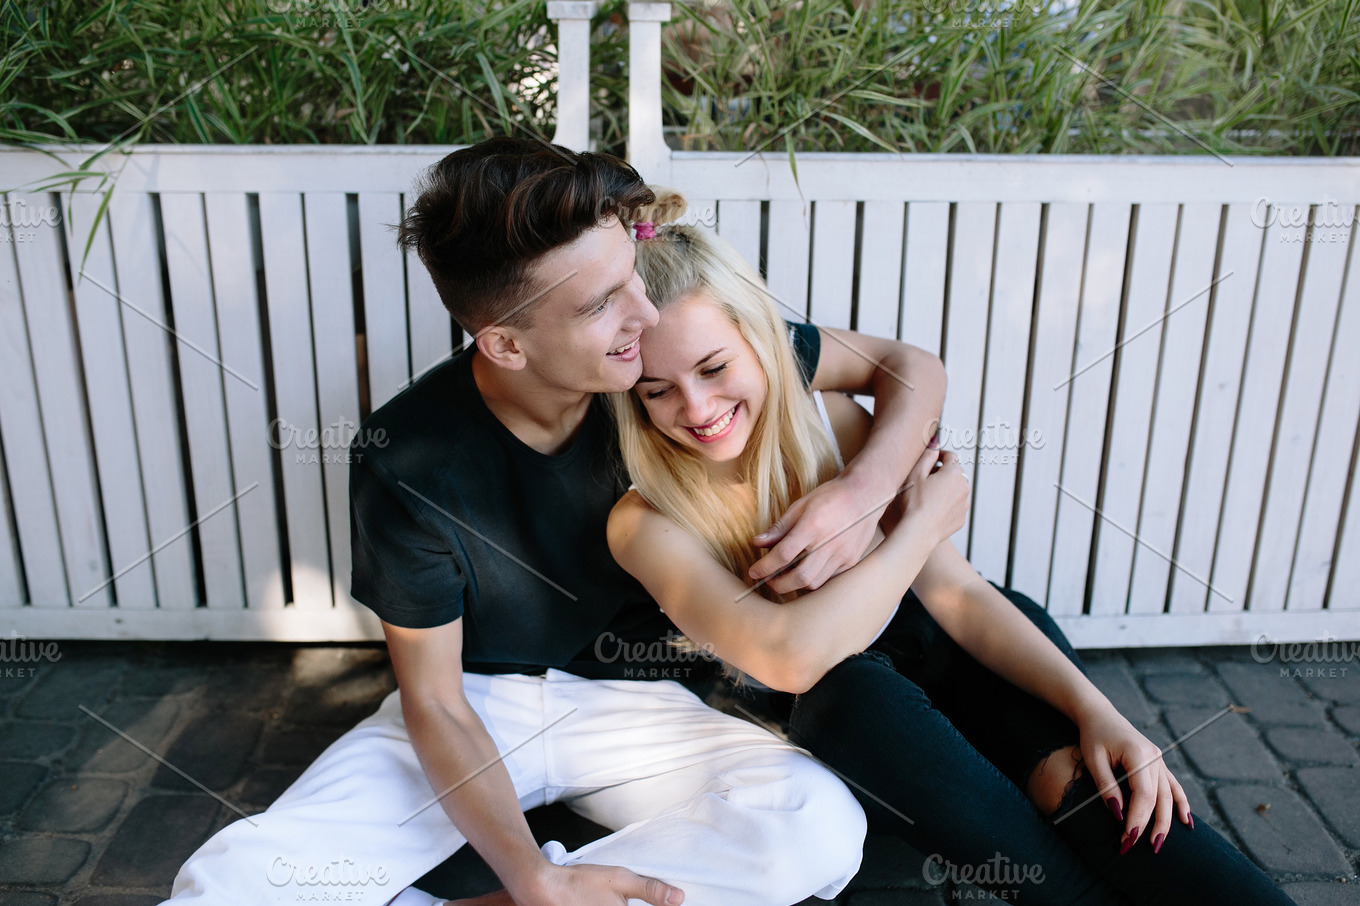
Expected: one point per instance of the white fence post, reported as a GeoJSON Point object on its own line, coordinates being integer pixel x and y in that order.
{"type": "Point", "coordinates": [647, 150]}
{"type": "Point", "coordinates": [573, 71]}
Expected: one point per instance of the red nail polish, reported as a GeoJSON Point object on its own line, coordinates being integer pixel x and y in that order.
{"type": "Point", "coordinates": [1131, 839]}
{"type": "Point", "coordinates": [1115, 810]}
{"type": "Point", "coordinates": [1157, 843]}
{"type": "Point", "coordinates": [1192, 821]}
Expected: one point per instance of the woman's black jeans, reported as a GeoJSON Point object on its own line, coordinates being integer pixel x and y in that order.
{"type": "Point", "coordinates": [938, 749]}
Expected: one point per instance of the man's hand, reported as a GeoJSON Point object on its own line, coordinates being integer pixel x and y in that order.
{"type": "Point", "coordinates": [597, 885]}
{"type": "Point", "coordinates": [830, 529]}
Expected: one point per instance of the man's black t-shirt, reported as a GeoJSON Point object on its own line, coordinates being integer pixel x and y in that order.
{"type": "Point", "coordinates": [453, 516]}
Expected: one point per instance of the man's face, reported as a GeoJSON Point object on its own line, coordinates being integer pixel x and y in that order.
{"type": "Point", "coordinates": [585, 327]}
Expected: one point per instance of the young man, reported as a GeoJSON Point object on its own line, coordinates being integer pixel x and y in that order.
{"type": "Point", "coordinates": [525, 656]}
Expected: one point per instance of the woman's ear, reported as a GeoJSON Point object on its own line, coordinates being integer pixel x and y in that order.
{"type": "Point", "coordinates": [501, 347]}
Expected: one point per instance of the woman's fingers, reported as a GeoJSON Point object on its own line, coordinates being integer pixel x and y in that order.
{"type": "Point", "coordinates": [1161, 818]}
{"type": "Point", "coordinates": [1142, 799]}
{"type": "Point", "coordinates": [1098, 762]}
{"type": "Point", "coordinates": [1182, 802]}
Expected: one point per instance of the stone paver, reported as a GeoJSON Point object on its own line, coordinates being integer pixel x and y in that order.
{"type": "Point", "coordinates": [1335, 682]}
{"type": "Point", "coordinates": [1312, 745]}
{"type": "Point", "coordinates": [248, 719]}
{"type": "Point", "coordinates": [1279, 831]}
{"type": "Point", "coordinates": [1198, 690]}
{"type": "Point", "coordinates": [59, 693]}
{"type": "Point", "coordinates": [1321, 893]}
{"type": "Point", "coordinates": [74, 805]}
{"type": "Point", "coordinates": [1227, 748]}
{"type": "Point", "coordinates": [21, 781]}
{"type": "Point", "coordinates": [212, 750]}
{"type": "Point", "coordinates": [1348, 718]}
{"type": "Point", "coordinates": [1272, 698]}
{"type": "Point", "coordinates": [25, 739]}
{"type": "Point", "coordinates": [41, 860]}
{"type": "Point", "coordinates": [1336, 792]}
{"type": "Point", "coordinates": [1147, 663]}
{"type": "Point", "coordinates": [29, 898]}
{"type": "Point", "coordinates": [154, 840]}
{"type": "Point", "coordinates": [103, 751]}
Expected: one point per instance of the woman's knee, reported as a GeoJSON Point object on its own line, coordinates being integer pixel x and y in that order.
{"type": "Point", "coordinates": [1052, 777]}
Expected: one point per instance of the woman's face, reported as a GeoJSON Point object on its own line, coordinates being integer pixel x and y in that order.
{"type": "Point", "coordinates": [701, 382]}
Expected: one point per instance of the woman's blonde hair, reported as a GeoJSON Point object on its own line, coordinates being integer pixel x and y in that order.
{"type": "Point", "coordinates": [789, 452]}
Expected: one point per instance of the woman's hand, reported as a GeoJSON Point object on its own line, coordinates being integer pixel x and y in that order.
{"type": "Point", "coordinates": [1112, 748]}
{"type": "Point", "coordinates": [936, 492]}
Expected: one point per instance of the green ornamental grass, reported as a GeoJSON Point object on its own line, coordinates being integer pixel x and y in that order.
{"type": "Point", "coordinates": [1095, 76]}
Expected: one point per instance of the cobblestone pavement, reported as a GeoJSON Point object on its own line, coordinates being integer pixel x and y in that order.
{"type": "Point", "coordinates": [87, 818]}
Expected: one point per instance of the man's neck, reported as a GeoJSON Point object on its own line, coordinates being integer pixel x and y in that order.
{"type": "Point", "coordinates": [545, 418]}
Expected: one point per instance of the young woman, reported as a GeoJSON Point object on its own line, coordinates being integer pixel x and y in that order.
{"type": "Point", "coordinates": [958, 711]}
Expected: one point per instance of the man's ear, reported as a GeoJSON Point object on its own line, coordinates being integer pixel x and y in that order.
{"type": "Point", "coordinates": [501, 347]}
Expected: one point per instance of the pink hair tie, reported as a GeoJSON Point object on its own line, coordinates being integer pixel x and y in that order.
{"type": "Point", "coordinates": [645, 229]}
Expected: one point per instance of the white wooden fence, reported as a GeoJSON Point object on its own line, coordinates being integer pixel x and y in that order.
{"type": "Point", "coordinates": [1153, 371]}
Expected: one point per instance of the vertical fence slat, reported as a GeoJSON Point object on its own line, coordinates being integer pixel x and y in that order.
{"type": "Point", "coordinates": [1054, 332]}
{"type": "Point", "coordinates": [1149, 276]}
{"type": "Point", "coordinates": [61, 398]}
{"type": "Point", "coordinates": [787, 254]}
{"type": "Point", "coordinates": [1298, 423]}
{"type": "Point", "coordinates": [201, 379]}
{"type": "Point", "coordinates": [833, 263]}
{"type": "Point", "coordinates": [428, 320]}
{"type": "Point", "coordinates": [923, 273]}
{"type": "Point", "coordinates": [106, 383]}
{"type": "Point", "coordinates": [11, 589]}
{"type": "Point", "coordinates": [238, 321]}
{"type": "Point", "coordinates": [290, 339]}
{"type": "Point", "coordinates": [970, 282]}
{"type": "Point", "coordinates": [1192, 588]}
{"type": "Point", "coordinates": [997, 451]}
{"type": "Point", "coordinates": [30, 483]}
{"type": "Point", "coordinates": [151, 378]}
{"type": "Point", "coordinates": [1089, 395]}
{"type": "Point", "coordinates": [1257, 408]}
{"type": "Point", "coordinates": [739, 224]}
{"type": "Point", "coordinates": [1188, 304]}
{"type": "Point", "coordinates": [336, 368]}
{"type": "Point", "coordinates": [389, 366]}
{"type": "Point", "coordinates": [878, 304]}
{"type": "Point", "coordinates": [1321, 520]}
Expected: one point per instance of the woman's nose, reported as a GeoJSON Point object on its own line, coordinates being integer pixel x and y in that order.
{"type": "Point", "coordinates": [696, 407]}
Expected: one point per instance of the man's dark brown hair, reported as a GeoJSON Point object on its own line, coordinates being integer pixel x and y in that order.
{"type": "Point", "coordinates": [486, 213]}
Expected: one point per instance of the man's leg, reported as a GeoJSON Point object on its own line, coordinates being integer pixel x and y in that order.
{"type": "Point", "coordinates": [361, 823]}
{"type": "Point", "coordinates": [710, 803]}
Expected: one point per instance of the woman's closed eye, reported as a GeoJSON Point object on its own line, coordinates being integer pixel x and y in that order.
{"type": "Point", "coordinates": [707, 372]}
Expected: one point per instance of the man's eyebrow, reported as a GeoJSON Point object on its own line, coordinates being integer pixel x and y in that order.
{"type": "Point", "coordinates": [594, 302]}
{"type": "Point", "coordinates": [697, 364]}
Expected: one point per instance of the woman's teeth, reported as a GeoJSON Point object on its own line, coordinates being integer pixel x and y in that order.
{"type": "Point", "coordinates": [718, 426]}
{"type": "Point", "coordinates": [623, 349]}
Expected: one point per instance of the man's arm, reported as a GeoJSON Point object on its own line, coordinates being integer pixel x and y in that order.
{"type": "Point", "coordinates": [454, 749]}
{"type": "Point", "coordinates": [832, 527]}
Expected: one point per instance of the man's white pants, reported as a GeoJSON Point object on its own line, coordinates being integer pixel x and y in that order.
{"type": "Point", "coordinates": [710, 803]}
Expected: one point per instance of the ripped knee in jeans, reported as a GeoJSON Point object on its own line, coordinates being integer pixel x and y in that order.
{"type": "Point", "coordinates": [1053, 778]}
